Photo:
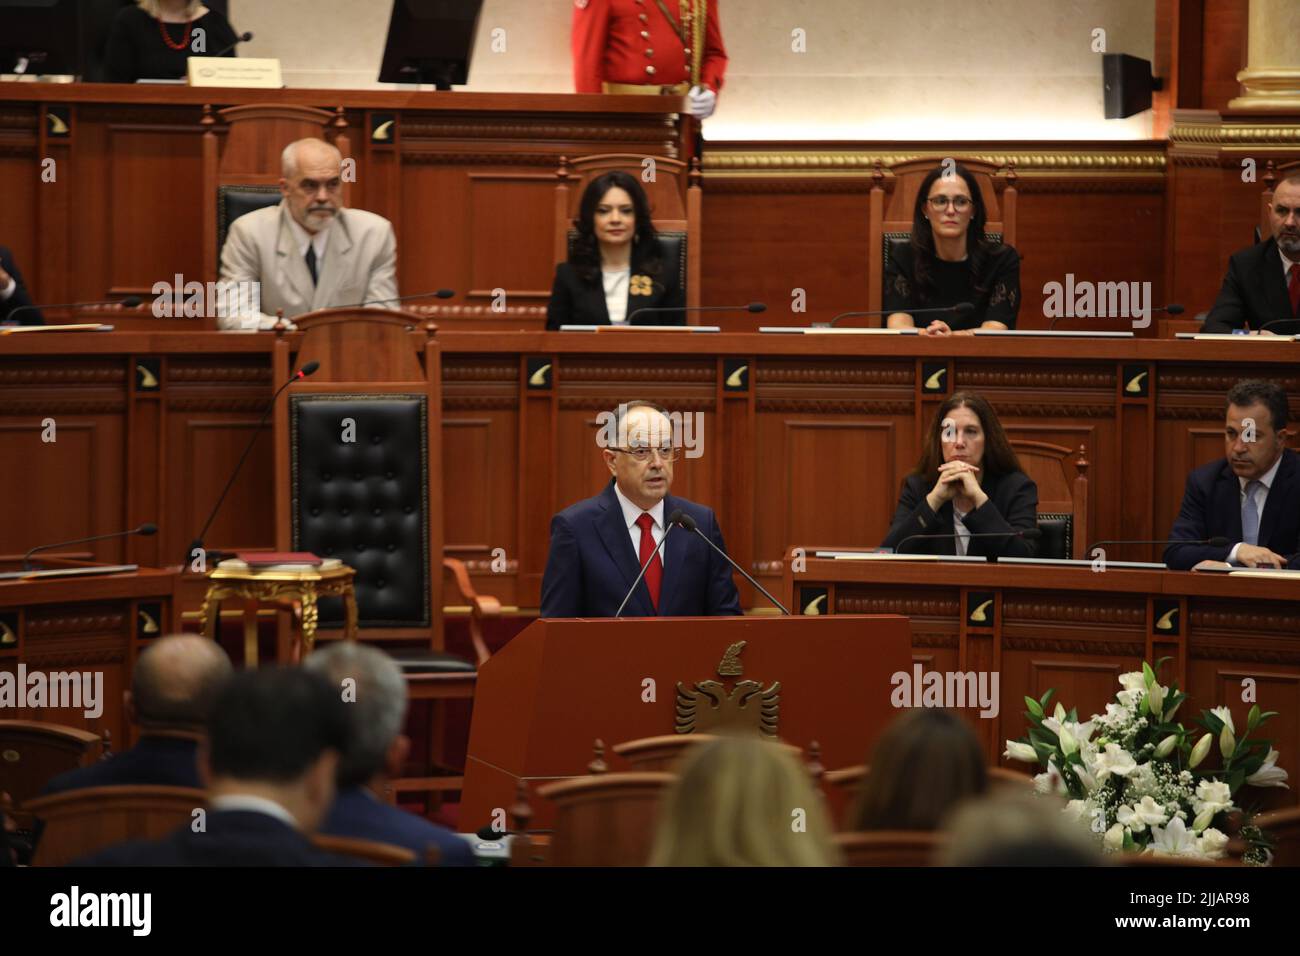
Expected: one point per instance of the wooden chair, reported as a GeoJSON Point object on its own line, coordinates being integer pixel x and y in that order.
{"type": "Point", "coordinates": [665, 752]}
{"type": "Point", "coordinates": [80, 822]}
{"type": "Point", "coordinates": [841, 786]}
{"type": "Point", "coordinates": [893, 193]}
{"type": "Point", "coordinates": [1284, 827]}
{"type": "Point", "coordinates": [605, 820]}
{"type": "Point", "coordinates": [31, 753]}
{"type": "Point", "coordinates": [380, 371]}
{"type": "Point", "coordinates": [889, 847]}
{"type": "Point", "coordinates": [1062, 478]}
{"type": "Point", "coordinates": [371, 851]}
{"type": "Point", "coordinates": [241, 162]}
{"type": "Point", "coordinates": [675, 199]}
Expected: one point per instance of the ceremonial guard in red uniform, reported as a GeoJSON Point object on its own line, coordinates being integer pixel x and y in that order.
{"type": "Point", "coordinates": [671, 47]}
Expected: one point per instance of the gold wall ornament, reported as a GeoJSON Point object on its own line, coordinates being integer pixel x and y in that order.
{"type": "Point", "coordinates": [708, 706]}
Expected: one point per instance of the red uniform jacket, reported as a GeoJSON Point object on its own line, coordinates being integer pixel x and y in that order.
{"type": "Point", "coordinates": [631, 41]}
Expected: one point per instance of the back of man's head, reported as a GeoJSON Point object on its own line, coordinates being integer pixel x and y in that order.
{"type": "Point", "coordinates": [374, 692]}
{"type": "Point", "coordinates": [176, 682]}
{"type": "Point", "coordinates": [271, 726]}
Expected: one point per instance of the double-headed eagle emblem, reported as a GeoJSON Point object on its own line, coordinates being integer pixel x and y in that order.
{"type": "Point", "coordinates": [707, 706]}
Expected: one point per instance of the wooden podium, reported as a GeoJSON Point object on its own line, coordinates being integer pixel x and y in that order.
{"type": "Point", "coordinates": [562, 683]}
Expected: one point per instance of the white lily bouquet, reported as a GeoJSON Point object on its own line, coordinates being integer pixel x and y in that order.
{"type": "Point", "coordinates": [1134, 776]}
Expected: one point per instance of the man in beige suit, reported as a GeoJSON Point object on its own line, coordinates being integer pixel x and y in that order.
{"type": "Point", "coordinates": [309, 252]}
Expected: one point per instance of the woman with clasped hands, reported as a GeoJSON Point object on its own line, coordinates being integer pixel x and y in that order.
{"type": "Point", "coordinates": [968, 482]}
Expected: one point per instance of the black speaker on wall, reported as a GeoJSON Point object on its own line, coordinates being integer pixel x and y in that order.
{"type": "Point", "coordinates": [1127, 84]}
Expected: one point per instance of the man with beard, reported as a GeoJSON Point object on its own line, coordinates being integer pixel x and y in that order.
{"type": "Point", "coordinates": [309, 252]}
{"type": "Point", "coordinates": [1263, 282]}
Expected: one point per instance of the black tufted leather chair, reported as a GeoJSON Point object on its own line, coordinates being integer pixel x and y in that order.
{"type": "Point", "coordinates": [235, 201]}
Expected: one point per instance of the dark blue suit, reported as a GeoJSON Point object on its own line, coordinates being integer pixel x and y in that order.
{"type": "Point", "coordinates": [358, 814]}
{"type": "Point", "coordinates": [157, 761]}
{"type": "Point", "coordinates": [20, 298]}
{"type": "Point", "coordinates": [231, 838]}
{"type": "Point", "coordinates": [1212, 508]}
{"type": "Point", "coordinates": [592, 563]}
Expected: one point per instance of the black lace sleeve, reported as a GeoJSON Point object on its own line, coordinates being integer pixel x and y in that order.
{"type": "Point", "coordinates": [1004, 288]}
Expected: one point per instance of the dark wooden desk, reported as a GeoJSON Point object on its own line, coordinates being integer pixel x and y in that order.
{"type": "Point", "coordinates": [1042, 625]}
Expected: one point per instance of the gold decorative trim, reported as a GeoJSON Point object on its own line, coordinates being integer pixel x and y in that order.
{"type": "Point", "coordinates": [793, 164]}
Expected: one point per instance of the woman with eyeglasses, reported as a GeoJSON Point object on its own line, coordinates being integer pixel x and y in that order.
{"type": "Point", "coordinates": [615, 266]}
{"type": "Point", "coordinates": [947, 261]}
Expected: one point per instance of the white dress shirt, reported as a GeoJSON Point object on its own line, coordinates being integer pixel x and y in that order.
{"type": "Point", "coordinates": [631, 512]}
{"type": "Point", "coordinates": [318, 240]}
{"type": "Point", "coordinates": [1286, 264]}
{"type": "Point", "coordinates": [1261, 496]}
{"type": "Point", "coordinates": [251, 804]}
{"type": "Point", "coordinates": [616, 283]}
{"type": "Point", "coordinates": [9, 290]}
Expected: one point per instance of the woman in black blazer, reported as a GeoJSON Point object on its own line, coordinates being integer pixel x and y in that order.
{"type": "Point", "coordinates": [968, 473]}
{"type": "Point", "coordinates": [615, 266]}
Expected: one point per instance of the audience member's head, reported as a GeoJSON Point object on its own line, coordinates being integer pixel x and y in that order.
{"type": "Point", "coordinates": [277, 733]}
{"type": "Point", "coordinates": [926, 762]}
{"type": "Point", "coordinates": [1016, 829]}
{"type": "Point", "coordinates": [743, 801]}
{"type": "Point", "coordinates": [374, 691]}
{"type": "Point", "coordinates": [176, 682]}
{"type": "Point", "coordinates": [967, 428]}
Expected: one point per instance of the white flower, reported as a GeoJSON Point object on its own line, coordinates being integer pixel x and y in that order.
{"type": "Point", "coordinates": [1269, 774]}
{"type": "Point", "coordinates": [1174, 840]}
{"type": "Point", "coordinates": [1156, 700]}
{"type": "Point", "coordinates": [1021, 752]}
{"type": "Point", "coordinates": [1141, 781]}
{"type": "Point", "coordinates": [1077, 810]}
{"type": "Point", "coordinates": [1133, 680]}
{"type": "Point", "coordinates": [1200, 751]}
{"type": "Point", "coordinates": [1213, 796]}
{"type": "Point", "coordinates": [1059, 712]}
{"type": "Point", "coordinates": [1213, 844]}
{"type": "Point", "coordinates": [1050, 781]}
{"type": "Point", "coordinates": [1114, 839]}
{"type": "Point", "coordinates": [1227, 742]}
{"type": "Point", "coordinates": [1166, 746]}
{"type": "Point", "coordinates": [1203, 820]}
{"type": "Point", "coordinates": [1130, 698]}
{"type": "Point", "coordinates": [1115, 760]}
{"type": "Point", "coordinates": [1138, 817]}
{"type": "Point", "coordinates": [1225, 715]}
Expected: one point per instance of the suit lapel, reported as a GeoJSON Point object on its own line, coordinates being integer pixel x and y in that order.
{"type": "Point", "coordinates": [292, 265]}
{"type": "Point", "coordinates": [1231, 490]}
{"type": "Point", "coordinates": [675, 550]}
{"type": "Point", "coordinates": [337, 263]}
{"type": "Point", "coordinates": [618, 543]}
{"type": "Point", "coordinates": [1273, 285]}
{"type": "Point", "coordinates": [1279, 496]}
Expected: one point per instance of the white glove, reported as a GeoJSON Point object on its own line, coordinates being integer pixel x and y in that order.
{"type": "Point", "coordinates": [703, 102]}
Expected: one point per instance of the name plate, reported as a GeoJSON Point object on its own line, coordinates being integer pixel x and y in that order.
{"type": "Point", "coordinates": [245, 72]}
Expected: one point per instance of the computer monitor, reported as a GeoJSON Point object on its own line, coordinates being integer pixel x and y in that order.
{"type": "Point", "coordinates": [430, 42]}
{"type": "Point", "coordinates": [41, 37]}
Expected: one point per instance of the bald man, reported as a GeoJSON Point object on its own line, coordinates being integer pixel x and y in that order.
{"type": "Point", "coordinates": [176, 681]}
{"type": "Point", "coordinates": [309, 252]}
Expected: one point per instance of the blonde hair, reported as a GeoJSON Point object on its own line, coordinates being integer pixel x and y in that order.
{"type": "Point", "coordinates": [735, 804]}
{"type": "Point", "coordinates": [154, 7]}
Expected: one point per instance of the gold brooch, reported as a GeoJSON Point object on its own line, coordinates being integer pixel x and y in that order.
{"type": "Point", "coordinates": [641, 285]}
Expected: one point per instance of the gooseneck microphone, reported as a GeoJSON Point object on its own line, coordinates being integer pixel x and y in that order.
{"type": "Point", "coordinates": [1215, 542]}
{"type": "Point", "coordinates": [197, 544]}
{"type": "Point", "coordinates": [242, 38]}
{"type": "Point", "coordinates": [1173, 308]}
{"type": "Point", "coordinates": [144, 530]}
{"type": "Point", "coordinates": [961, 308]}
{"type": "Point", "coordinates": [130, 302]}
{"type": "Point", "coordinates": [1028, 534]}
{"type": "Point", "coordinates": [753, 307]}
{"type": "Point", "coordinates": [438, 294]}
{"type": "Point", "coordinates": [673, 519]}
{"type": "Point", "coordinates": [687, 522]}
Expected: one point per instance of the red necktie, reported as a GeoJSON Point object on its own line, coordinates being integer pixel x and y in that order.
{"type": "Point", "coordinates": [654, 574]}
{"type": "Point", "coordinates": [1294, 288]}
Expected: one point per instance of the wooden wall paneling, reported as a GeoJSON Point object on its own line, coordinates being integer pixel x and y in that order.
{"type": "Point", "coordinates": [1167, 638]}
{"type": "Point", "coordinates": [52, 271]}
{"type": "Point", "coordinates": [539, 443]}
{"type": "Point", "coordinates": [1223, 45]}
{"type": "Point", "coordinates": [380, 165]}
{"type": "Point", "coordinates": [144, 458]}
{"type": "Point", "coordinates": [738, 473]}
{"type": "Point", "coordinates": [980, 651]}
{"type": "Point", "coordinates": [504, 255]}
{"type": "Point", "coordinates": [1134, 437]}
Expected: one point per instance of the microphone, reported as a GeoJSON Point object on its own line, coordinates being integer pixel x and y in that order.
{"type": "Point", "coordinates": [242, 38]}
{"type": "Point", "coordinates": [687, 522]}
{"type": "Point", "coordinates": [753, 307]}
{"type": "Point", "coordinates": [1173, 308]}
{"type": "Point", "coordinates": [673, 519]}
{"type": "Point", "coordinates": [197, 544]}
{"type": "Point", "coordinates": [144, 530]}
{"type": "Point", "coordinates": [130, 302]}
{"type": "Point", "coordinates": [440, 294]}
{"type": "Point", "coordinates": [1216, 542]}
{"type": "Point", "coordinates": [1294, 323]}
{"type": "Point", "coordinates": [1028, 534]}
{"type": "Point", "coordinates": [961, 308]}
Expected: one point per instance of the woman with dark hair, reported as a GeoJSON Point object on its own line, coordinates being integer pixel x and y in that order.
{"type": "Point", "coordinates": [926, 763]}
{"type": "Point", "coordinates": [615, 267]}
{"type": "Point", "coordinates": [968, 482]}
{"type": "Point", "coordinates": [154, 39]}
{"type": "Point", "coordinates": [948, 261]}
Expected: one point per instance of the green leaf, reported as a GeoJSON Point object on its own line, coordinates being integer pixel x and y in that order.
{"type": "Point", "coordinates": [1253, 720]}
{"type": "Point", "coordinates": [1046, 698]}
{"type": "Point", "coordinates": [1034, 707]}
{"type": "Point", "coordinates": [1148, 675]}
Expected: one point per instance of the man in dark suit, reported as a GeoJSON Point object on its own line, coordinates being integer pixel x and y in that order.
{"type": "Point", "coordinates": [13, 293]}
{"type": "Point", "coordinates": [1263, 282]}
{"type": "Point", "coordinates": [273, 750]}
{"type": "Point", "coordinates": [1251, 496]}
{"type": "Point", "coordinates": [598, 546]}
{"type": "Point", "coordinates": [175, 683]}
{"type": "Point", "coordinates": [373, 687]}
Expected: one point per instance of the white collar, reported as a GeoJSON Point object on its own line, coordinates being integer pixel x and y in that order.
{"type": "Point", "coordinates": [251, 804]}
{"type": "Point", "coordinates": [1265, 479]}
{"type": "Point", "coordinates": [631, 512]}
{"type": "Point", "coordinates": [302, 238]}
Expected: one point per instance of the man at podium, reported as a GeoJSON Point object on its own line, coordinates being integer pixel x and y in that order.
{"type": "Point", "coordinates": [600, 546]}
